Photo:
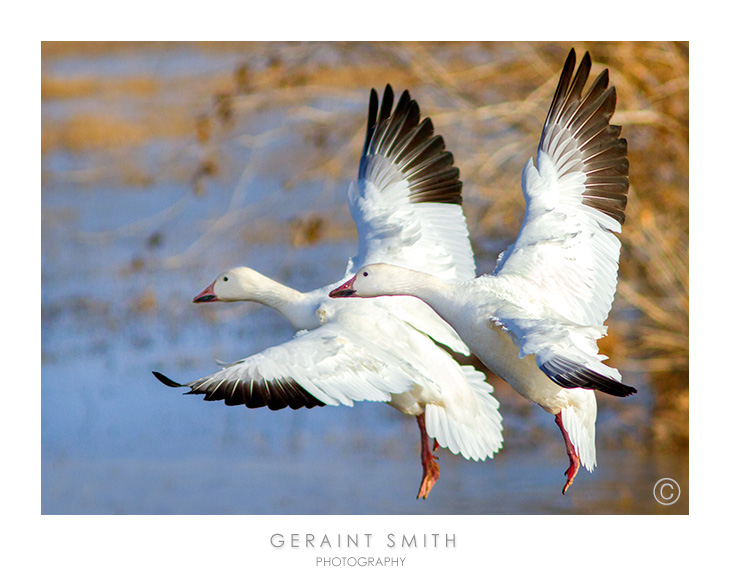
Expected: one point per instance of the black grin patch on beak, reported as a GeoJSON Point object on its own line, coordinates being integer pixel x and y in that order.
{"type": "Point", "coordinates": [206, 298]}
{"type": "Point", "coordinates": [343, 293]}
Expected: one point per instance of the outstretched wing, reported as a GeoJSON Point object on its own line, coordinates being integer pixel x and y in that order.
{"type": "Point", "coordinates": [564, 351]}
{"type": "Point", "coordinates": [565, 258]}
{"type": "Point", "coordinates": [575, 201]}
{"type": "Point", "coordinates": [407, 199]}
{"type": "Point", "coordinates": [325, 366]}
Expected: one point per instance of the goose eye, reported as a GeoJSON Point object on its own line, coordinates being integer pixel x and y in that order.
{"type": "Point", "coordinates": [225, 279]}
{"type": "Point", "coordinates": [365, 274]}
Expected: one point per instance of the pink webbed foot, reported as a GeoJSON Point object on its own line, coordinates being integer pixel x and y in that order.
{"type": "Point", "coordinates": [571, 453]}
{"type": "Point", "coordinates": [431, 469]}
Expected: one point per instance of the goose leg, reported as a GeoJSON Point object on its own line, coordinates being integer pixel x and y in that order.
{"type": "Point", "coordinates": [431, 469]}
{"type": "Point", "coordinates": [571, 453]}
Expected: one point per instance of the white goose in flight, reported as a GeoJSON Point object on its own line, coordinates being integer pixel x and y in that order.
{"type": "Point", "coordinates": [535, 320]}
{"type": "Point", "coordinates": [407, 208]}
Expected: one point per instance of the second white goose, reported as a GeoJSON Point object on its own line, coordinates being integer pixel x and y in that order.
{"type": "Point", "coordinates": [536, 319]}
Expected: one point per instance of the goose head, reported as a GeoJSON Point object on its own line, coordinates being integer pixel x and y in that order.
{"type": "Point", "coordinates": [379, 279]}
{"type": "Point", "coordinates": [234, 285]}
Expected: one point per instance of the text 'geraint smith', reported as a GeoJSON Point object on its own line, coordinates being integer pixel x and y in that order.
{"type": "Point", "coordinates": [362, 540]}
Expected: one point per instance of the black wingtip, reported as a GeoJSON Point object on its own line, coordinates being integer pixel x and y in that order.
{"type": "Point", "coordinates": [615, 388]}
{"type": "Point", "coordinates": [388, 99]}
{"type": "Point", "coordinates": [166, 381]}
{"type": "Point", "coordinates": [586, 119]}
{"type": "Point", "coordinates": [371, 120]}
{"type": "Point", "coordinates": [410, 145]}
{"type": "Point", "coordinates": [570, 374]}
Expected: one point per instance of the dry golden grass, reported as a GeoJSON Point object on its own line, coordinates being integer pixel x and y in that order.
{"type": "Point", "coordinates": [84, 86]}
{"type": "Point", "coordinates": [58, 49]}
{"type": "Point", "coordinates": [92, 132]}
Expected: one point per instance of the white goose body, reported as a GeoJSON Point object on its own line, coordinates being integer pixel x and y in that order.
{"type": "Point", "coordinates": [406, 205]}
{"type": "Point", "coordinates": [495, 343]}
{"type": "Point", "coordinates": [536, 319]}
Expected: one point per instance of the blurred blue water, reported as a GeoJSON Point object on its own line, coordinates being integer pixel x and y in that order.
{"type": "Point", "coordinates": [114, 440]}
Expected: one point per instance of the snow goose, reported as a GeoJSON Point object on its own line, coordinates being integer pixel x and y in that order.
{"type": "Point", "coordinates": [407, 208]}
{"type": "Point", "coordinates": [535, 320]}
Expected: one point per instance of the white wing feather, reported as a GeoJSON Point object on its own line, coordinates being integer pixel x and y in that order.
{"type": "Point", "coordinates": [575, 201]}
{"type": "Point", "coordinates": [332, 364]}
{"type": "Point", "coordinates": [407, 200]}
{"type": "Point", "coordinates": [564, 261]}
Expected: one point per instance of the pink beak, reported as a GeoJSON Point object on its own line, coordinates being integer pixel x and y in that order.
{"type": "Point", "coordinates": [207, 295]}
{"type": "Point", "coordinates": [346, 290]}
